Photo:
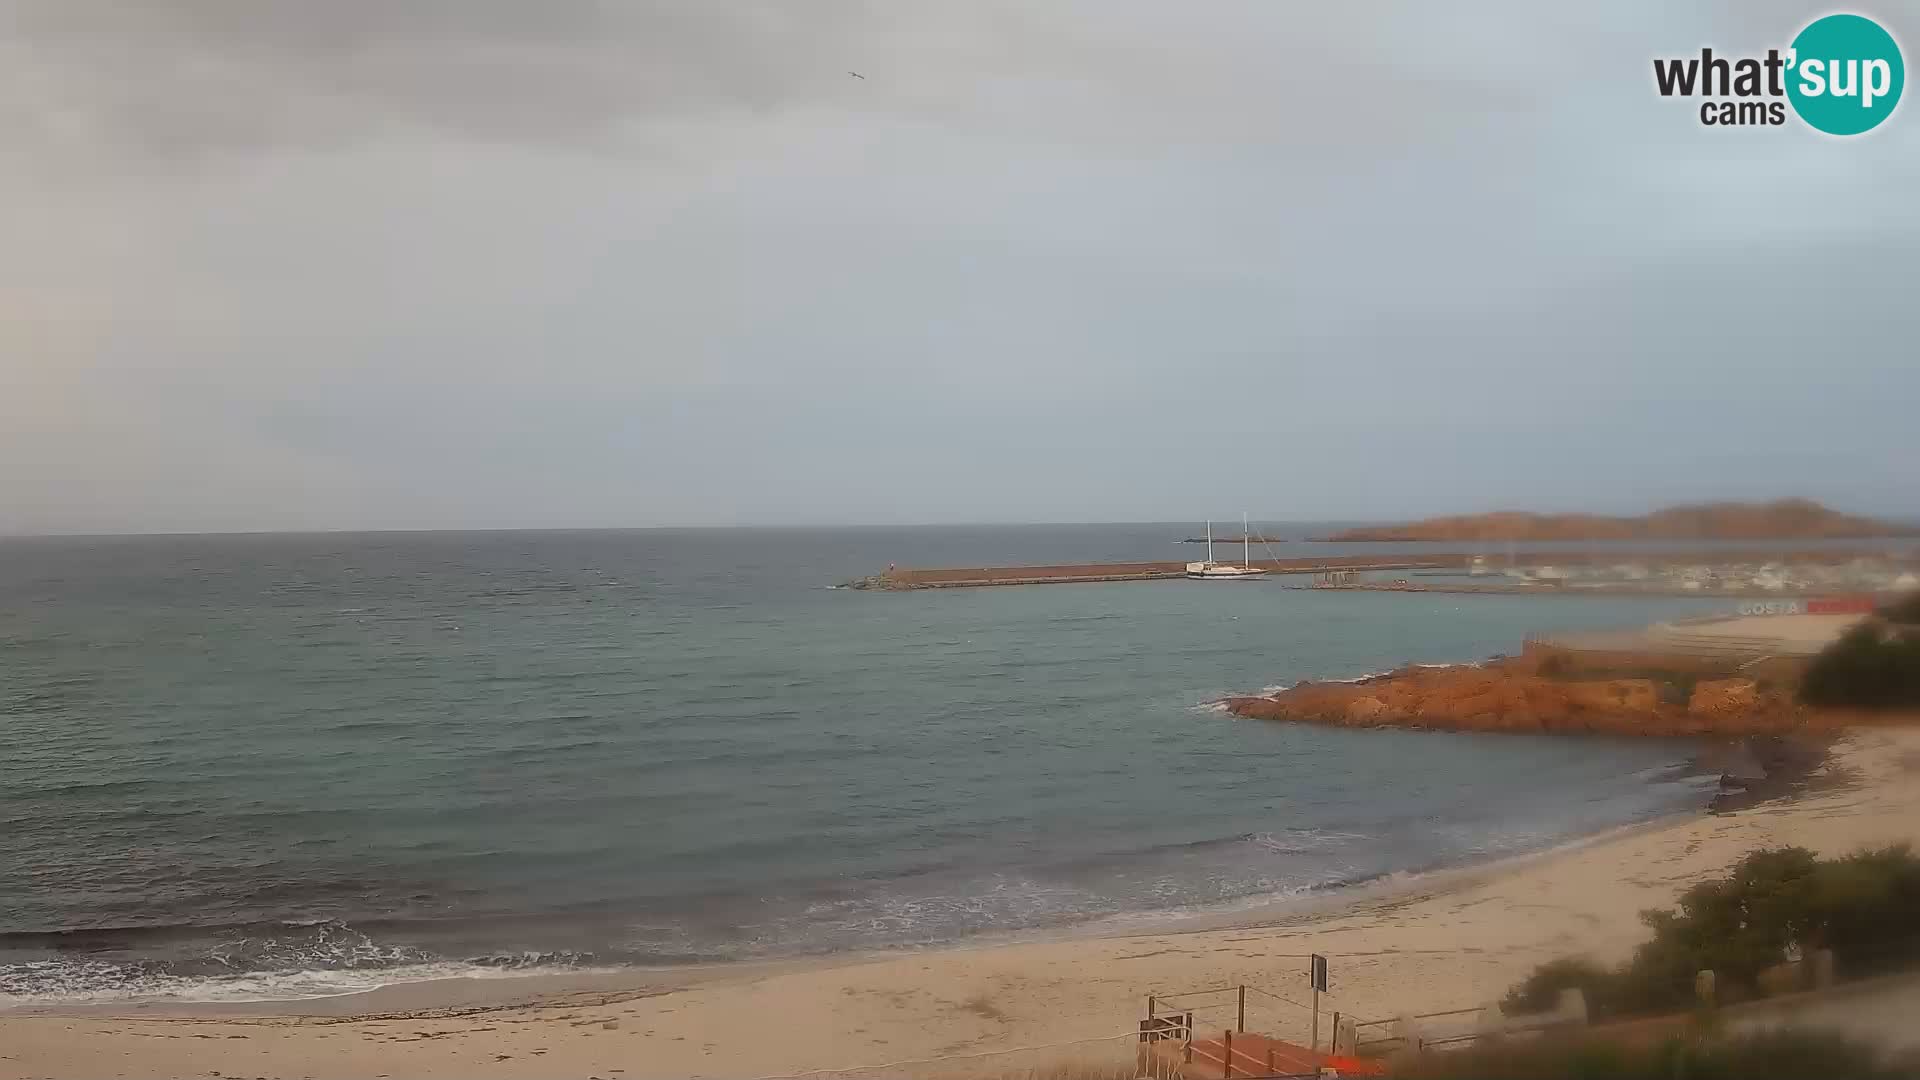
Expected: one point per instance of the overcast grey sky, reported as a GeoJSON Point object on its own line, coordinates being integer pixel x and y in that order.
{"type": "Point", "coordinates": [477, 263]}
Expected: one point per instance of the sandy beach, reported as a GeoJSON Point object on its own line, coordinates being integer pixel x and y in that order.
{"type": "Point", "coordinates": [1445, 941]}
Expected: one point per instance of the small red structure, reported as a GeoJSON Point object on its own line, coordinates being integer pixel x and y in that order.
{"type": "Point", "coordinates": [1840, 605]}
{"type": "Point", "coordinates": [1237, 1054]}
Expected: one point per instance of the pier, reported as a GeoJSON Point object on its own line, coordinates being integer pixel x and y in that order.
{"type": "Point", "coordinates": [1345, 572]}
{"type": "Point", "coordinates": [980, 576]}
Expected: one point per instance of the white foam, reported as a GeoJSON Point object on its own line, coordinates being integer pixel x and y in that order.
{"type": "Point", "coordinates": [1281, 688]}
{"type": "Point", "coordinates": [62, 982]}
{"type": "Point", "coordinates": [1359, 678]}
{"type": "Point", "coordinates": [1298, 841]}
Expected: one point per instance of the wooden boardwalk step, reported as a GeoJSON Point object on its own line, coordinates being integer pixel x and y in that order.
{"type": "Point", "coordinates": [1253, 1055]}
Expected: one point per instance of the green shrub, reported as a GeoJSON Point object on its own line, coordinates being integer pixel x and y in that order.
{"type": "Point", "coordinates": [1540, 992]}
{"type": "Point", "coordinates": [1903, 609]}
{"type": "Point", "coordinates": [1872, 666]}
{"type": "Point", "coordinates": [1780, 1053]}
{"type": "Point", "coordinates": [1737, 926]}
{"type": "Point", "coordinates": [1865, 907]}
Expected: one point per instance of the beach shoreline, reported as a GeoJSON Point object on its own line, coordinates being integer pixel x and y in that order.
{"type": "Point", "coordinates": [474, 987]}
{"type": "Point", "coordinates": [1453, 939]}
{"type": "Point", "coordinates": [470, 993]}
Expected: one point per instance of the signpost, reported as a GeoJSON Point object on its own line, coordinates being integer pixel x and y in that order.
{"type": "Point", "coordinates": [1317, 975]}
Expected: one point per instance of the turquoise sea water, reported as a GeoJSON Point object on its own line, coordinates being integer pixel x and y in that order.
{"type": "Point", "coordinates": [239, 766]}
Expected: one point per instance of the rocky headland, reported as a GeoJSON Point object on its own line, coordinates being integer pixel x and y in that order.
{"type": "Point", "coordinates": [1523, 695]}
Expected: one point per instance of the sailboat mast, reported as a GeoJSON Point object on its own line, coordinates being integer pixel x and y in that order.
{"type": "Point", "coordinates": [1246, 542]}
{"type": "Point", "coordinates": [1209, 539]}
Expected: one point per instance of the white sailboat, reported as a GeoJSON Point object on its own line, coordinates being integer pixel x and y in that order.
{"type": "Point", "coordinates": [1217, 571]}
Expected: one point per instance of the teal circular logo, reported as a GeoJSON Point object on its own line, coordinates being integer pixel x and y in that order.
{"type": "Point", "coordinates": [1845, 74]}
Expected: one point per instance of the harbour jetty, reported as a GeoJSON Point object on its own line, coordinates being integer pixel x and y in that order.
{"type": "Point", "coordinates": [1347, 572]}
{"type": "Point", "coordinates": [972, 577]}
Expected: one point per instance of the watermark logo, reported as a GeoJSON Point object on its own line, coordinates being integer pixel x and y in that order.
{"type": "Point", "coordinates": [1843, 75]}
{"type": "Point", "coordinates": [1850, 74]}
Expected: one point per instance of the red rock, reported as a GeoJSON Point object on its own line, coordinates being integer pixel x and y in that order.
{"type": "Point", "coordinates": [1511, 696]}
{"type": "Point", "coordinates": [1719, 697]}
{"type": "Point", "coordinates": [1613, 695]}
{"type": "Point", "coordinates": [1363, 711]}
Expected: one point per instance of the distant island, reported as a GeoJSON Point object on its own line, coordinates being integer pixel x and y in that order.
{"type": "Point", "coordinates": [1782, 519]}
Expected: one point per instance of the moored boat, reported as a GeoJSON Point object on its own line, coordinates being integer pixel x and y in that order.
{"type": "Point", "coordinates": [1219, 571]}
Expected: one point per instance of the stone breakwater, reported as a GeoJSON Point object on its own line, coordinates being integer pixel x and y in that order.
{"type": "Point", "coordinates": [1522, 695]}
{"type": "Point", "coordinates": [896, 578]}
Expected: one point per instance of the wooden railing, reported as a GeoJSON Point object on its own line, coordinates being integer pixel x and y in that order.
{"type": "Point", "coordinates": [1236, 1054]}
{"type": "Point", "coordinates": [1255, 1067]}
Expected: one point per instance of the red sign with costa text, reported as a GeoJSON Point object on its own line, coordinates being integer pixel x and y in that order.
{"type": "Point", "coordinates": [1840, 605]}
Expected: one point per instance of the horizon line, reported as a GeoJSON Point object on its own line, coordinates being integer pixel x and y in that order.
{"type": "Point", "coordinates": [1913, 521]}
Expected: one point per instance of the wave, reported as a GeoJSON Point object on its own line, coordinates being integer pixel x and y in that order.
{"type": "Point", "coordinates": [1301, 841]}
{"type": "Point", "coordinates": [104, 938]}
{"type": "Point", "coordinates": [1368, 677]}
{"type": "Point", "coordinates": [239, 962]}
{"type": "Point", "coordinates": [54, 982]}
{"type": "Point", "coordinates": [1278, 688]}
{"type": "Point", "coordinates": [1269, 691]}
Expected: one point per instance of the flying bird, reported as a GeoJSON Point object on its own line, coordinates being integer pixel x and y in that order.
{"type": "Point", "coordinates": [857, 75]}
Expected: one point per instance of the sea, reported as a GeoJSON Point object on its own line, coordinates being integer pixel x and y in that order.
{"type": "Point", "coordinates": [257, 767]}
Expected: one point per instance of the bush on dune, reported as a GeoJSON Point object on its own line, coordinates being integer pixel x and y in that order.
{"type": "Point", "coordinates": [1772, 905]}
{"type": "Point", "coordinates": [1735, 927]}
{"type": "Point", "coordinates": [1540, 992]}
{"type": "Point", "coordinates": [1873, 666]}
{"type": "Point", "coordinates": [1905, 609]}
{"type": "Point", "coordinates": [1866, 908]}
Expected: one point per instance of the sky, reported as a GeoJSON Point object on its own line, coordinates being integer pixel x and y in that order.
{"type": "Point", "coordinates": [283, 265]}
